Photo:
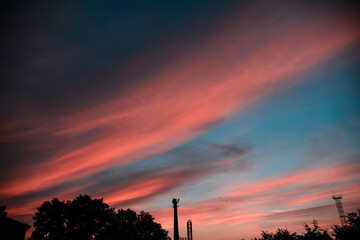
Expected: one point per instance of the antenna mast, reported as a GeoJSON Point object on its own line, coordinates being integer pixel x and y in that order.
{"type": "Point", "coordinates": [340, 208]}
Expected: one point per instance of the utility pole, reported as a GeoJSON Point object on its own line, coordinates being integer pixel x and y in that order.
{"type": "Point", "coordinates": [189, 230]}
{"type": "Point", "coordinates": [176, 225]}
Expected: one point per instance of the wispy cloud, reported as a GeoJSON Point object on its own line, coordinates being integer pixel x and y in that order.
{"type": "Point", "coordinates": [173, 106]}
{"type": "Point", "coordinates": [281, 201]}
{"type": "Point", "coordinates": [120, 118]}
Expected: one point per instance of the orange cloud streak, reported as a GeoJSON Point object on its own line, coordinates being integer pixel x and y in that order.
{"type": "Point", "coordinates": [175, 106]}
{"type": "Point", "coordinates": [267, 204]}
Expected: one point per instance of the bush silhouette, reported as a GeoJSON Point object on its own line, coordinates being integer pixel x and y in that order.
{"type": "Point", "coordinates": [86, 218]}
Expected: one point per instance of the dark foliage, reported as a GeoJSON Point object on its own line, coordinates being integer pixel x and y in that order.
{"type": "Point", "coordinates": [50, 220]}
{"type": "Point", "coordinates": [281, 234]}
{"type": "Point", "coordinates": [351, 230]}
{"type": "Point", "coordinates": [315, 233]}
{"type": "Point", "coordinates": [85, 218]}
{"type": "Point", "coordinates": [129, 225]}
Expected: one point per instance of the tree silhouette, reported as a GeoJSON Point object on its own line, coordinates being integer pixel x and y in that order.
{"type": "Point", "coordinates": [50, 220]}
{"type": "Point", "coordinates": [148, 229]}
{"type": "Point", "coordinates": [85, 218]}
{"type": "Point", "coordinates": [352, 228]}
{"type": "Point", "coordinates": [315, 233]}
{"type": "Point", "coordinates": [281, 234]}
{"type": "Point", "coordinates": [123, 226]}
{"type": "Point", "coordinates": [129, 225]}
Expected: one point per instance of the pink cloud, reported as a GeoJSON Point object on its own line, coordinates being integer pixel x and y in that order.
{"type": "Point", "coordinates": [282, 201]}
{"type": "Point", "coordinates": [174, 106]}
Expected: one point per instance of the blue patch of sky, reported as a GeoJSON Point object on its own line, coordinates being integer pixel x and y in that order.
{"type": "Point", "coordinates": [312, 123]}
{"type": "Point", "coordinates": [287, 121]}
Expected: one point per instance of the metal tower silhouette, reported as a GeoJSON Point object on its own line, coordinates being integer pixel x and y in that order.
{"type": "Point", "coordinates": [340, 208]}
{"type": "Point", "coordinates": [189, 230]}
{"type": "Point", "coordinates": [176, 225]}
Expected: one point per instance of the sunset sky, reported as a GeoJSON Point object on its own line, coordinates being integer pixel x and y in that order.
{"type": "Point", "coordinates": [248, 111]}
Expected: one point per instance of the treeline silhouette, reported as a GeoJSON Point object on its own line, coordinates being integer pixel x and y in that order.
{"type": "Point", "coordinates": [349, 231]}
{"type": "Point", "coordinates": [86, 218]}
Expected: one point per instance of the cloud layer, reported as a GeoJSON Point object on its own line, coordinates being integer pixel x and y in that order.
{"type": "Point", "coordinates": [111, 104]}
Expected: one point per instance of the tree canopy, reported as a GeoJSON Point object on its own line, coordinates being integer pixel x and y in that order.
{"type": "Point", "coordinates": [86, 218]}
{"type": "Point", "coordinates": [351, 230]}
{"type": "Point", "coordinates": [312, 233]}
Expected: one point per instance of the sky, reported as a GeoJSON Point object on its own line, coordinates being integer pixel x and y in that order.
{"type": "Point", "coordinates": [247, 111]}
